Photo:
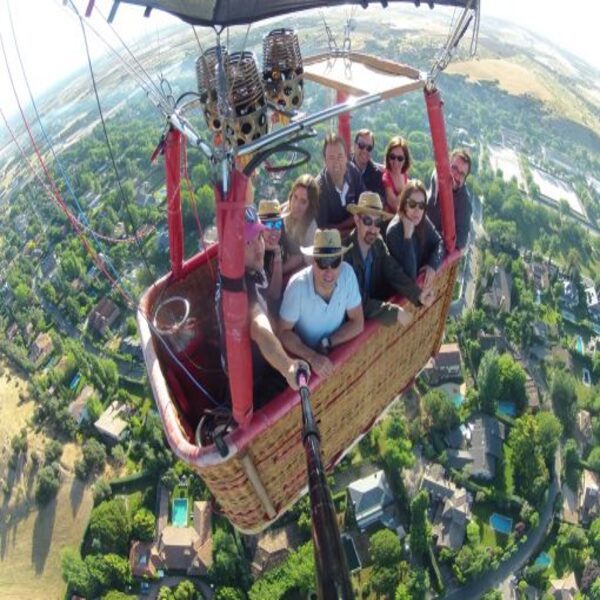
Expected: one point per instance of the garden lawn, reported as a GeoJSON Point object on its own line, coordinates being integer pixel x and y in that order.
{"type": "Point", "coordinates": [489, 536]}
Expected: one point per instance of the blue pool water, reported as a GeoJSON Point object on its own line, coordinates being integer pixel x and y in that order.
{"type": "Point", "coordinates": [507, 408]}
{"type": "Point", "coordinates": [501, 523]}
{"type": "Point", "coordinates": [458, 400]}
{"type": "Point", "coordinates": [75, 381]}
{"type": "Point", "coordinates": [544, 559]}
{"type": "Point", "coordinates": [180, 512]}
{"type": "Point", "coordinates": [351, 553]}
{"type": "Point", "coordinates": [579, 345]}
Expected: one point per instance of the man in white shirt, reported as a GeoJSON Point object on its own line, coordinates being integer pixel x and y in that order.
{"type": "Point", "coordinates": [322, 305]}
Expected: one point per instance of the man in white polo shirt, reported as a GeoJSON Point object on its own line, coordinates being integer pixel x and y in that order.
{"type": "Point", "coordinates": [321, 305]}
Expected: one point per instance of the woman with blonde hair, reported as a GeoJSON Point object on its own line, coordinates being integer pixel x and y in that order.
{"type": "Point", "coordinates": [300, 211]}
{"type": "Point", "coordinates": [395, 176]}
{"type": "Point", "coordinates": [411, 237]}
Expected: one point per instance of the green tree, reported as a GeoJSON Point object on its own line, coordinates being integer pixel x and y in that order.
{"type": "Point", "coordinates": [144, 523]}
{"type": "Point", "coordinates": [47, 485]}
{"type": "Point", "coordinates": [488, 381]}
{"type": "Point", "coordinates": [530, 471]}
{"type": "Point", "coordinates": [594, 458]}
{"type": "Point", "coordinates": [117, 595]}
{"type": "Point", "coordinates": [229, 567]}
{"type": "Point", "coordinates": [492, 595]}
{"type": "Point", "coordinates": [185, 590]}
{"type": "Point", "coordinates": [549, 431]}
{"type": "Point", "coordinates": [572, 464]}
{"type": "Point", "coordinates": [385, 548]}
{"type": "Point", "coordinates": [564, 398]}
{"type": "Point", "coordinates": [110, 525]}
{"type": "Point", "coordinates": [52, 451]}
{"type": "Point", "coordinates": [418, 584]}
{"type": "Point", "coordinates": [512, 381]}
{"type": "Point", "coordinates": [441, 413]}
{"type": "Point", "coordinates": [75, 572]}
{"type": "Point", "coordinates": [420, 529]}
{"type": "Point", "coordinates": [229, 593]}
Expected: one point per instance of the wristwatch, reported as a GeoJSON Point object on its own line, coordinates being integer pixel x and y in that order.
{"type": "Point", "coordinates": [325, 345]}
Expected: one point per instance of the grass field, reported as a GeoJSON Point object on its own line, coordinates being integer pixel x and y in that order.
{"type": "Point", "coordinates": [31, 540]}
{"type": "Point", "coordinates": [521, 79]}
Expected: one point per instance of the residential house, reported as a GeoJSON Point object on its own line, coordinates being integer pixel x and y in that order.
{"type": "Point", "coordinates": [187, 549]}
{"type": "Point", "coordinates": [131, 345]}
{"type": "Point", "coordinates": [111, 423]}
{"type": "Point", "coordinates": [589, 496]}
{"type": "Point", "coordinates": [487, 341]}
{"type": "Point", "coordinates": [593, 304]}
{"type": "Point", "coordinates": [103, 315]}
{"type": "Point", "coordinates": [569, 296]}
{"type": "Point", "coordinates": [584, 430]}
{"type": "Point", "coordinates": [78, 408]}
{"type": "Point", "coordinates": [451, 507]}
{"type": "Point", "coordinates": [369, 498]}
{"type": "Point", "coordinates": [565, 588]}
{"type": "Point", "coordinates": [41, 348]}
{"type": "Point", "coordinates": [12, 331]}
{"type": "Point", "coordinates": [270, 548]}
{"type": "Point", "coordinates": [476, 446]}
{"type": "Point", "coordinates": [498, 297]}
{"type": "Point", "coordinates": [539, 274]}
{"type": "Point", "coordinates": [445, 365]}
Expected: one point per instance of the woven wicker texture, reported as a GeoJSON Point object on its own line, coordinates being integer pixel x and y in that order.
{"type": "Point", "coordinates": [345, 406]}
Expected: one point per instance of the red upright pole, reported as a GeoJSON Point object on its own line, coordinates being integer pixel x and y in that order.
{"type": "Point", "coordinates": [230, 224]}
{"type": "Point", "coordinates": [173, 175]}
{"type": "Point", "coordinates": [435, 114]}
{"type": "Point", "coordinates": [344, 120]}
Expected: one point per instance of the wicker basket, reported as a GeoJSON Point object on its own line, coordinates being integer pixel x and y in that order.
{"type": "Point", "coordinates": [265, 470]}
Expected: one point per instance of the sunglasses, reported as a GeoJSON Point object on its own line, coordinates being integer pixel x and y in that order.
{"type": "Point", "coordinates": [398, 157]}
{"type": "Point", "coordinates": [363, 146]}
{"type": "Point", "coordinates": [275, 224]}
{"type": "Point", "coordinates": [328, 262]}
{"type": "Point", "coordinates": [370, 221]}
{"type": "Point", "coordinates": [416, 204]}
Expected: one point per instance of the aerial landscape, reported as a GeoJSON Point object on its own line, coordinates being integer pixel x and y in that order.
{"type": "Point", "coordinates": [478, 478]}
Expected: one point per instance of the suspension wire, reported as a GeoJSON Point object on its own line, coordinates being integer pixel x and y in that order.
{"type": "Point", "coordinates": [129, 51]}
{"type": "Point", "coordinates": [31, 168]}
{"type": "Point", "coordinates": [83, 220]}
{"type": "Point", "coordinates": [198, 40]}
{"type": "Point", "coordinates": [112, 156]}
{"type": "Point", "coordinates": [55, 191]}
{"type": "Point", "coordinates": [155, 94]}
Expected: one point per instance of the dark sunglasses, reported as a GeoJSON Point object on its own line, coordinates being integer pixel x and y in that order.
{"type": "Point", "coordinates": [328, 262]}
{"type": "Point", "coordinates": [416, 204]}
{"type": "Point", "coordinates": [369, 221]}
{"type": "Point", "coordinates": [276, 224]}
{"type": "Point", "coordinates": [398, 157]}
{"type": "Point", "coordinates": [363, 146]}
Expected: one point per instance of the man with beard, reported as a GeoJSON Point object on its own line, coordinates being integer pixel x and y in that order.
{"type": "Point", "coordinates": [460, 167]}
{"type": "Point", "coordinates": [339, 183]}
{"type": "Point", "coordinates": [379, 274]}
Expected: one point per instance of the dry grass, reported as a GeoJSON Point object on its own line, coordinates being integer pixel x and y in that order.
{"type": "Point", "coordinates": [519, 79]}
{"type": "Point", "coordinates": [30, 539]}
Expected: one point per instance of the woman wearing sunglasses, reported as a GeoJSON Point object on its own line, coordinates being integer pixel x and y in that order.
{"type": "Point", "coordinates": [282, 255]}
{"type": "Point", "coordinates": [300, 211]}
{"type": "Point", "coordinates": [395, 176]}
{"type": "Point", "coordinates": [411, 237]}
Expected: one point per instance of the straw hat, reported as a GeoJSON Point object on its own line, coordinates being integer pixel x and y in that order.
{"type": "Point", "coordinates": [269, 209]}
{"type": "Point", "coordinates": [369, 203]}
{"type": "Point", "coordinates": [327, 242]}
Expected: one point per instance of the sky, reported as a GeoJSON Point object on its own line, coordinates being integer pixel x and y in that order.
{"type": "Point", "coordinates": [49, 36]}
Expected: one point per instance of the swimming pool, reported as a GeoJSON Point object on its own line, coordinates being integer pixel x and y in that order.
{"type": "Point", "coordinates": [179, 513]}
{"type": "Point", "coordinates": [501, 523]}
{"type": "Point", "coordinates": [579, 345]}
{"type": "Point", "coordinates": [458, 400]}
{"type": "Point", "coordinates": [507, 408]}
{"type": "Point", "coordinates": [544, 559]}
{"type": "Point", "coordinates": [351, 553]}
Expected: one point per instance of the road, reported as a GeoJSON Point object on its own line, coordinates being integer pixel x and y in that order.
{"type": "Point", "coordinates": [494, 579]}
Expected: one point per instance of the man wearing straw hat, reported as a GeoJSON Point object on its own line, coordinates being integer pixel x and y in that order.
{"type": "Point", "coordinates": [321, 305]}
{"type": "Point", "coordinates": [377, 271]}
{"type": "Point", "coordinates": [269, 359]}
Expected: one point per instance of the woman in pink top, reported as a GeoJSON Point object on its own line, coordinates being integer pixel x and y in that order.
{"type": "Point", "coordinates": [395, 176]}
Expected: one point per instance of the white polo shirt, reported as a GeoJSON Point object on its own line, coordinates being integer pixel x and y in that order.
{"type": "Point", "coordinates": [313, 317]}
